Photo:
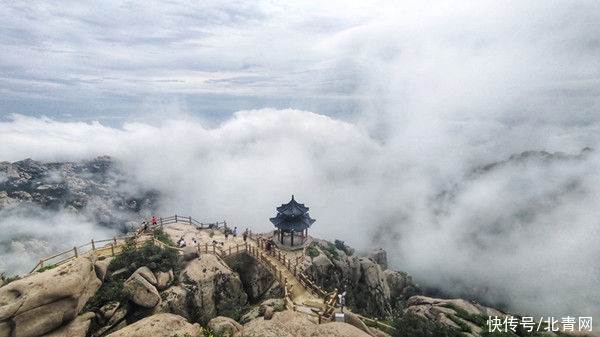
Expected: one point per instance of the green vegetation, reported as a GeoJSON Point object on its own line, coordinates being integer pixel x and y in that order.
{"type": "Point", "coordinates": [330, 251]}
{"type": "Point", "coordinates": [479, 320]}
{"type": "Point", "coordinates": [211, 234]}
{"type": "Point", "coordinates": [131, 258]}
{"type": "Point", "coordinates": [110, 291]}
{"type": "Point", "coordinates": [462, 324]}
{"type": "Point", "coordinates": [154, 257]}
{"type": "Point", "coordinates": [8, 279]}
{"type": "Point", "coordinates": [52, 266]}
{"type": "Point", "coordinates": [160, 235]}
{"type": "Point", "coordinates": [312, 251]}
{"type": "Point", "coordinates": [410, 324]}
{"type": "Point", "coordinates": [342, 246]}
{"type": "Point", "coordinates": [230, 308]}
{"type": "Point", "coordinates": [278, 308]}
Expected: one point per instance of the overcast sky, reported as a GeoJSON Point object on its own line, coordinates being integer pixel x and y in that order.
{"type": "Point", "coordinates": [376, 114]}
{"type": "Point", "coordinates": [109, 61]}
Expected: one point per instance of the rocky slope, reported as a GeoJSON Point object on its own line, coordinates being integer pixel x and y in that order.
{"type": "Point", "coordinates": [97, 188]}
{"type": "Point", "coordinates": [371, 288]}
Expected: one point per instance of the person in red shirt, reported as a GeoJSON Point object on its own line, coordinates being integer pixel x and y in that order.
{"type": "Point", "coordinates": [154, 220]}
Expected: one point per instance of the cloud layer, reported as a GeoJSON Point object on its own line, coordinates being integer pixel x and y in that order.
{"type": "Point", "coordinates": [394, 107]}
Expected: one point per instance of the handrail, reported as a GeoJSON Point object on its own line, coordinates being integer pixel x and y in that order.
{"type": "Point", "coordinates": [76, 251]}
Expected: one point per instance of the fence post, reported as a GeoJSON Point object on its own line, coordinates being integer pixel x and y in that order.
{"type": "Point", "coordinates": [41, 263]}
{"type": "Point", "coordinates": [175, 217]}
{"type": "Point", "coordinates": [206, 247]}
{"type": "Point", "coordinates": [190, 219]}
{"type": "Point", "coordinates": [93, 245]}
{"type": "Point", "coordinates": [112, 249]}
{"type": "Point", "coordinates": [161, 222]}
{"type": "Point", "coordinates": [75, 250]}
{"type": "Point", "coordinates": [229, 250]}
{"type": "Point", "coordinates": [214, 249]}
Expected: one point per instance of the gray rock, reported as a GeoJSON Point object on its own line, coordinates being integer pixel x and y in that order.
{"type": "Point", "coordinates": [268, 313]}
{"type": "Point", "coordinates": [380, 257]}
{"type": "Point", "coordinates": [143, 293]}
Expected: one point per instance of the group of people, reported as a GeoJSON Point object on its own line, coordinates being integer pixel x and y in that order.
{"type": "Point", "coordinates": [145, 223]}
{"type": "Point", "coordinates": [181, 242]}
{"type": "Point", "coordinates": [228, 231]}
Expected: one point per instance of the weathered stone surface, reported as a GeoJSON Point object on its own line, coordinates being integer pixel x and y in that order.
{"type": "Point", "coordinates": [210, 282]}
{"type": "Point", "coordinates": [439, 310]}
{"type": "Point", "coordinates": [268, 313]}
{"type": "Point", "coordinates": [295, 324]}
{"type": "Point", "coordinates": [109, 309]}
{"type": "Point", "coordinates": [164, 279]}
{"type": "Point", "coordinates": [142, 292]}
{"type": "Point", "coordinates": [224, 325]}
{"type": "Point", "coordinates": [370, 289]}
{"type": "Point", "coordinates": [77, 328]}
{"type": "Point", "coordinates": [42, 302]}
{"type": "Point", "coordinates": [160, 325]}
{"type": "Point", "coordinates": [256, 279]}
{"type": "Point", "coordinates": [190, 253]}
{"type": "Point", "coordinates": [146, 273]}
{"type": "Point", "coordinates": [101, 267]}
{"type": "Point", "coordinates": [173, 301]}
{"type": "Point", "coordinates": [380, 257]}
{"type": "Point", "coordinates": [356, 322]}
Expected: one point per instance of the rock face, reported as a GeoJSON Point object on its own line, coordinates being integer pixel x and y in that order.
{"type": "Point", "coordinates": [89, 186]}
{"type": "Point", "coordinates": [77, 328]}
{"type": "Point", "coordinates": [295, 324]}
{"type": "Point", "coordinates": [224, 326]}
{"type": "Point", "coordinates": [143, 293]}
{"type": "Point", "coordinates": [370, 289]}
{"type": "Point", "coordinates": [445, 311]}
{"type": "Point", "coordinates": [42, 302]}
{"type": "Point", "coordinates": [380, 257]}
{"type": "Point", "coordinates": [256, 279]}
{"type": "Point", "coordinates": [212, 287]}
{"type": "Point", "coordinates": [173, 300]}
{"type": "Point", "coordinates": [160, 325]}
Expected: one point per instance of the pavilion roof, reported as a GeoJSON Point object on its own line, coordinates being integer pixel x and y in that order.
{"type": "Point", "coordinates": [292, 208]}
{"type": "Point", "coordinates": [296, 223]}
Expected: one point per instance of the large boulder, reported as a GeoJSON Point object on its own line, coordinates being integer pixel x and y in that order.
{"type": "Point", "coordinates": [173, 300]}
{"type": "Point", "coordinates": [42, 302]}
{"type": "Point", "coordinates": [296, 324]}
{"type": "Point", "coordinates": [160, 325]}
{"type": "Point", "coordinates": [380, 257]}
{"type": "Point", "coordinates": [143, 293]}
{"type": "Point", "coordinates": [164, 279]}
{"type": "Point", "coordinates": [213, 286]}
{"type": "Point", "coordinates": [224, 326]}
{"type": "Point", "coordinates": [77, 328]}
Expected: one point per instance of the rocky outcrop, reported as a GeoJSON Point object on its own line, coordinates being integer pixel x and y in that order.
{"type": "Point", "coordinates": [224, 326]}
{"type": "Point", "coordinates": [88, 186]}
{"type": "Point", "coordinates": [164, 279]}
{"type": "Point", "coordinates": [77, 328]}
{"type": "Point", "coordinates": [295, 324]}
{"type": "Point", "coordinates": [370, 289]}
{"type": "Point", "coordinates": [212, 287]}
{"type": "Point", "coordinates": [276, 304]}
{"type": "Point", "coordinates": [449, 311]}
{"type": "Point", "coordinates": [173, 300]}
{"type": "Point", "coordinates": [380, 257]}
{"type": "Point", "coordinates": [160, 325]}
{"type": "Point", "coordinates": [141, 287]}
{"type": "Point", "coordinates": [256, 279]}
{"type": "Point", "coordinates": [42, 302]}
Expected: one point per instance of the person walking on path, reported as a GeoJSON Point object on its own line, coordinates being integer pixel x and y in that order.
{"type": "Point", "coordinates": [154, 221]}
{"type": "Point", "coordinates": [245, 234]}
{"type": "Point", "coordinates": [234, 232]}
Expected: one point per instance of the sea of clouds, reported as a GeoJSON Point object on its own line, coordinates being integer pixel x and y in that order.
{"type": "Point", "coordinates": [438, 90]}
